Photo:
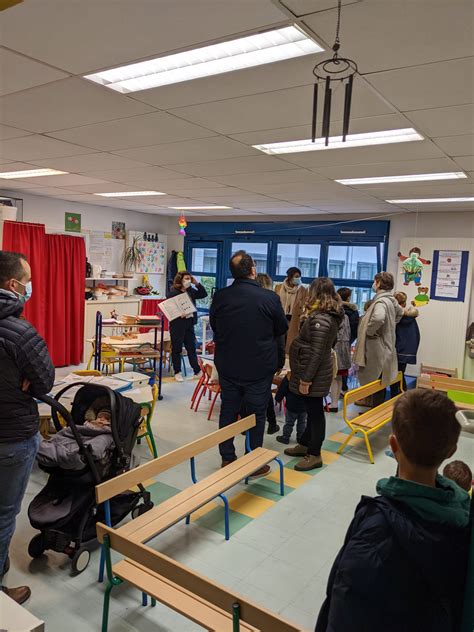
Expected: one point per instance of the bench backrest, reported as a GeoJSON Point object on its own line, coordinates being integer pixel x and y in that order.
{"type": "Point", "coordinates": [425, 368]}
{"type": "Point", "coordinates": [125, 481]}
{"type": "Point", "coordinates": [441, 383]}
{"type": "Point", "coordinates": [368, 389]}
{"type": "Point", "coordinates": [204, 588]}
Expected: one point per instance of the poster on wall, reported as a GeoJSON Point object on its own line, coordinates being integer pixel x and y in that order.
{"type": "Point", "coordinates": [153, 257]}
{"type": "Point", "coordinates": [448, 281]}
{"type": "Point", "coordinates": [118, 230]}
{"type": "Point", "coordinates": [100, 249]}
{"type": "Point", "coordinates": [72, 222]}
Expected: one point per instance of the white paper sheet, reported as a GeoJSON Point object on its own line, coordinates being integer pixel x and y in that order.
{"type": "Point", "coordinates": [178, 306]}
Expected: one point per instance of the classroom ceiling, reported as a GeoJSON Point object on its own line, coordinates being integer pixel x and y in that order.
{"type": "Point", "coordinates": [193, 140]}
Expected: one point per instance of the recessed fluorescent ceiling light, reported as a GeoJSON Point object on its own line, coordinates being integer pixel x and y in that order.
{"type": "Point", "coordinates": [199, 208]}
{"type": "Point", "coordinates": [31, 173]}
{"type": "Point", "coordinates": [244, 52]}
{"type": "Point", "coordinates": [130, 194]}
{"type": "Point", "coordinates": [428, 200]}
{"type": "Point", "coordinates": [335, 142]}
{"type": "Point", "coordinates": [409, 178]}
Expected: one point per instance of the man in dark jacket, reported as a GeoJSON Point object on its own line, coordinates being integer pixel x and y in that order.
{"type": "Point", "coordinates": [247, 320]}
{"type": "Point", "coordinates": [404, 562]}
{"type": "Point", "coordinates": [26, 371]}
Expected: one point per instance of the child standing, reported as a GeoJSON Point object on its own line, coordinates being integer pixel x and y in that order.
{"type": "Point", "coordinates": [460, 473]}
{"type": "Point", "coordinates": [407, 339]}
{"type": "Point", "coordinates": [295, 412]}
{"type": "Point", "coordinates": [404, 562]}
{"type": "Point", "coordinates": [343, 353]}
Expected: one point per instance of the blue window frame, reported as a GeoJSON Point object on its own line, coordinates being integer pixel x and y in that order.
{"type": "Point", "coordinates": [349, 253]}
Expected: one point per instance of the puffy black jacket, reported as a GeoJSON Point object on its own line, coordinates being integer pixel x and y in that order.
{"type": "Point", "coordinates": [310, 352]}
{"type": "Point", "coordinates": [23, 355]}
{"type": "Point", "coordinates": [396, 573]}
{"type": "Point", "coordinates": [247, 321]}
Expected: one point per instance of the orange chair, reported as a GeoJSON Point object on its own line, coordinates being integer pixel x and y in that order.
{"type": "Point", "coordinates": [209, 388]}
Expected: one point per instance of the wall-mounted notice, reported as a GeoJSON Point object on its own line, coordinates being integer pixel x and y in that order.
{"type": "Point", "coordinates": [448, 281]}
{"type": "Point", "coordinates": [100, 249]}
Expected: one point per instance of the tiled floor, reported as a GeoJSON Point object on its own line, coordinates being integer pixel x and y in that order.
{"type": "Point", "coordinates": [280, 555]}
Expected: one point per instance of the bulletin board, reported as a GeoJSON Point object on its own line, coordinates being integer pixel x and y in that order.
{"type": "Point", "coordinates": [442, 322]}
{"type": "Point", "coordinates": [103, 250]}
{"type": "Point", "coordinates": [153, 254]}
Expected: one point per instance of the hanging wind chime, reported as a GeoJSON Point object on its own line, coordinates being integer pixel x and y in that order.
{"type": "Point", "coordinates": [330, 71]}
{"type": "Point", "coordinates": [182, 223]}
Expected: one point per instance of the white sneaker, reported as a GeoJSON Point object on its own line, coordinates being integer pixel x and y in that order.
{"type": "Point", "coordinates": [178, 377]}
{"type": "Point", "coordinates": [198, 376]}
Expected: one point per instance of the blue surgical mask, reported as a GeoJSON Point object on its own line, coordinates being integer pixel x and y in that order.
{"type": "Point", "coordinates": [23, 298]}
{"type": "Point", "coordinates": [296, 281]}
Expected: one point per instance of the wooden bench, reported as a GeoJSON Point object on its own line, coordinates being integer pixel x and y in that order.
{"type": "Point", "coordinates": [199, 599]}
{"type": "Point", "coordinates": [183, 504]}
{"type": "Point", "coordinates": [448, 385]}
{"type": "Point", "coordinates": [369, 422]}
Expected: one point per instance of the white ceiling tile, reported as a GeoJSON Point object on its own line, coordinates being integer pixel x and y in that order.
{"type": "Point", "coordinates": [449, 121]}
{"type": "Point", "coordinates": [37, 147]}
{"type": "Point", "coordinates": [361, 155]}
{"type": "Point", "coordinates": [19, 73]}
{"type": "Point", "coordinates": [188, 185]}
{"type": "Point", "coordinates": [65, 180]}
{"type": "Point", "coordinates": [465, 162]}
{"type": "Point", "coordinates": [16, 166]}
{"type": "Point", "coordinates": [276, 76]}
{"type": "Point", "coordinates": [462, 145]}
{"type": "Point", "coordinates": [232, 166]}
{"type": "Point", "coordinates": [294, 211]}
{"type": "Point", "coordinates": [140, 174]}
{"type": "Point", "coordinates": [15, 185]}
{"type": "Point", "coordinates": [248, 180]}
{"type": "Point", "coordinates": [7, 132]}
{"type": "Point", "coordinates": [395, 168]}
{"type": "Point", "coordinates": [381, 35]}
{"type": "Point", "coordinates": [107, 187]}
{"type": "Point", "coordinates": [304, 7]}
{"type": "Point", "coordinates": [432, 85]}
{"type": "Point", "coordinates": [67, 103]}
{"type": "Point", "coordinates": [73, 38]}
{"type": "Point", "coordinates": [281, 108]}
{"type": "Point", "coordinates": [90, 162]}
{"type": "Point", "coordinates": [213, 148]}
{"type": "Point", "coordinates": [136, 131]}
{"type": "Point", "coordinates": [50, 192]}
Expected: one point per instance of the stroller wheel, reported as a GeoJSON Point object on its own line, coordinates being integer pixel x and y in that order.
{"type": "Point", "coordinates": [80, 561]}
{"type": "Point", "coordinates": [36, 546]}
{"type": "Point", "coordinates": [141, 509]}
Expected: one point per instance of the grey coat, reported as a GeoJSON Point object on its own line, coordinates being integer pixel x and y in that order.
{"type": "Point", "coordinates": [343, 345]}
{"type": "Point", "coordinates": [376, 352]}
{"type": "Point", "coordinates": [310, 352]}
{"type": "Point", "coordinates": [62, 450]}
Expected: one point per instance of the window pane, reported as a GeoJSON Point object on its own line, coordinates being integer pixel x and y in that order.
{"type": "Point", "coordinates": [352, 262]}
{"type": "Point", "coordinates": [258, 252]}
{"type": "Point", "coordinates": [359, 296]}
{"type": "Point", "coordinates": [210, 285]}
{"type": "Point", "coordinates": [204, 260]}
{"type": "Point", "coordinates": [303, 256]}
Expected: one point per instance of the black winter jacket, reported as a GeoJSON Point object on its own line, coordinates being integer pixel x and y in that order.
{"type": "Point", "coordinates": [352, 314]}
{"type": "Point", "coordinates": [23, 355]}
{"type": "Point", "coordinates": [310, 352]}
{"type": "Point", "coordinates": [408, 339]}
{"type": "Point", "coordinates": [246, 320]}
{"type": "Point", "coordinates": [396, 573]}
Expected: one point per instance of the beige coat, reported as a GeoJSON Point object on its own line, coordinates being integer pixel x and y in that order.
{"type": "Point", "coordinates": [375, 352]}
{"type": "Point", "coordinates": [297, 311]}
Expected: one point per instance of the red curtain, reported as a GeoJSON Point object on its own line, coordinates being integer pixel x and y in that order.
{"type": "Point", "coordinates": [65, 282]}
{"type": "Point", "coordinates": [30, 240]}
{"type": "Point", "coordinates": [150, 308]}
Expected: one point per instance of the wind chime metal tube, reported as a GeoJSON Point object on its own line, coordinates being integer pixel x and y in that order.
{"type": "Point", "coordinates": [347, 107]}
{"type": "Point", "coordinates": [327, 111]}
{"type": "Point", "coordinates": [315, 112]}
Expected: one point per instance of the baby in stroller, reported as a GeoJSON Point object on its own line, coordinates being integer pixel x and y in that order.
{"type": "Point", "coordinates": [62, 450]}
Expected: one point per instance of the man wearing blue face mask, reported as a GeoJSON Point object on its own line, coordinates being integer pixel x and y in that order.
{"type": "Point", "coordinates": [26, 372]}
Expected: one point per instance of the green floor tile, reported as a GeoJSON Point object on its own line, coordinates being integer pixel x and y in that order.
{"type": "Point", "coordinates": [161, 491]}
{"type": "Point", "coordinates": [214, 520]}
{"type": "Point", "coordinates": [267, 489]}
{"type": "Point", "coordinates": [331, 446]}
{"type": "Point", "coordinates": [291, 464]}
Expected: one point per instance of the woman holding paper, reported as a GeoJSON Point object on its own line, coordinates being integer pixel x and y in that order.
{"type": "Point", "coordinates": [182, 329]}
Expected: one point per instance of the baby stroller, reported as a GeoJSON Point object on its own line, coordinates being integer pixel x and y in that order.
{"type": "Point", "coordinates": [65, 511]}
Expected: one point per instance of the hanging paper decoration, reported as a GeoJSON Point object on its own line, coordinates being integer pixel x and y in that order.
{"type": "Point", "coordinates": [182, 223]}
{"type": "Point", "coordinates": [329, 72]}
{"type": "Point", "coordinates": [412, 265]}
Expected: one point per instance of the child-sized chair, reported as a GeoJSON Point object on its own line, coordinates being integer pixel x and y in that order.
{"type": "Point", "coordinates": [208, 387]}
{"type": "Point", "coordinates": [145, 430]}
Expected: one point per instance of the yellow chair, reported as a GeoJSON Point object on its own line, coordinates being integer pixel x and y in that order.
{"type": "Point", "coordinates": [145, 430]}
{"type": "Point", "coordinates": [106, 355]}
{"type": "Point", "coordinates": [87, 373]}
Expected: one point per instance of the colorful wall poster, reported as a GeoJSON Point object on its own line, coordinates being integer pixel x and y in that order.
{"type": "Point", "coordinates": [118, 230]}
{"type": "Point", "coordinates": [72, 222]}
{"type": "Point", "coordinates": [153, 257]}
{"type": "Point", "coordinates": [448, 281]}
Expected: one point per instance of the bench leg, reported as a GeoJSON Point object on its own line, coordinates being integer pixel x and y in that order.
{"type": "Point", "coordinates": [282, 477]}
{"type": "Point", "coordinates": [101, 565]}
{"type": "Point", "coordinates": [349, 437]}
{"type": "Point", "coordinates": [369, 449]}
{"type": "Point", "coordinates": [150, 439]}
{"type": "Point", "coordinates": [144, 599]}
{"type": "Point", "coordinates": [188, 518]}
{"type": "Point", "coordinates": [153, 602]}
{"type": "Point", "coordinates": [226, 516]}
{"type": "Point", "coordinates": [105, 611]}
